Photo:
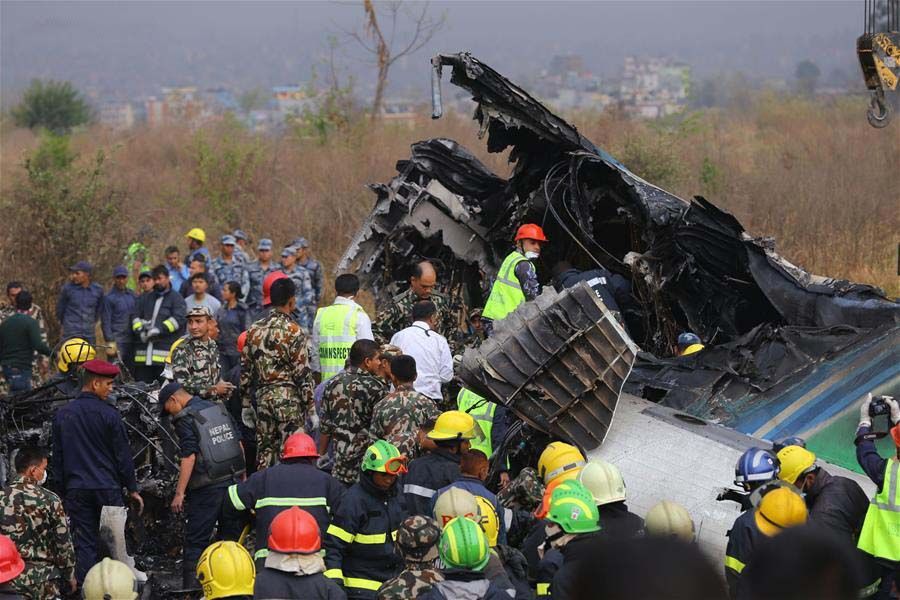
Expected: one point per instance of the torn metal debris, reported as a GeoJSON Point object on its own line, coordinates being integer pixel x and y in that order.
{"type": "Point", "coordinates": [691, 265]}
{"type": "Point", "coordinates": [559, 362]}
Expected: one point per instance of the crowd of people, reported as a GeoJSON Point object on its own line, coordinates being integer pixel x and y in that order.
{"type": "Point", "coordinates": [333, 435]}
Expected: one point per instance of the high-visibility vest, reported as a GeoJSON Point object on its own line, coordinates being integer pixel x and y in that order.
{"type": "Point", "coordinates": [880, 535]}
{"type": "Point", "coordinates": [336, 325]}
{"type": "Point", "coordinates": [483, 413]}
{"type": "Point", "coordinates": [506, 293]}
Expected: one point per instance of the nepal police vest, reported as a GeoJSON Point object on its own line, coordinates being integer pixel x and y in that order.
{"type": "Point", "coordinates": [221, 458]}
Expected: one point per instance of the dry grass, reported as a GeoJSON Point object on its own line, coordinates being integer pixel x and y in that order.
{"type": "Point", "coordinates": [815, 177]}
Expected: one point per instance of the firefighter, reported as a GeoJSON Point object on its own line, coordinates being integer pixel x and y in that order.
{"type": "Point", "coordinates": [517, 279]}
{"type": "Point", "coordinates": [160, 318]}
{"type": "Point", "coordinates": [225, 570]}
{"type": "Point", "coordinates": [211, 460]}
{"type": "Point", "coordinates": [756, 469]}
{"type": "Point", "coordinates": [359, 546]}
{"type": "Point", "coordinates": [295, 481]}
{"type": "Point", "coordinates": [605, 483]}
{"type": "Point", "coordinates": [464, 551]}
{"type": "Point", "coordinates": [669, 519]}
{"type": "Point", "coordinates": [110, 579]}
{"type": "Point", "coordinates": [294, 565]}
{"type": "Point", "coordinates": [572, 526]}
{"type": "Point", "coordinates": [511, 561]}
{"type": "Point", "coordinates": [778, 509]}
{"type": "Point", "coordinates": [453, 430]}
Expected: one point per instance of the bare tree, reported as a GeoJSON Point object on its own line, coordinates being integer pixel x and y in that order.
{"type": "Point", "coordinates": [408, 29]}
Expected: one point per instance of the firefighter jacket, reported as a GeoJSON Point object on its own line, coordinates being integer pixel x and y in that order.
{"type": "Point", "coordinates": [162, 312]}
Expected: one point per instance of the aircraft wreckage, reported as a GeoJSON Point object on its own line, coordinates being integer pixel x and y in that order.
{"type": "Point", "coordinates": [787, 352]}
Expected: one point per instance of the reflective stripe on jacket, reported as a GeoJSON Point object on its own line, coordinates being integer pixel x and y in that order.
{"type": "Point", "coordinates": [336, 325]}
{"type": "Point", "coordinates": [880, 535]}
{"type": "Point", "coordinates": [506, 293]}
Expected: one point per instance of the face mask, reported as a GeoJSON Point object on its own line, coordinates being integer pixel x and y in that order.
{"type": "Point", "coordinates": [532, 255]}
{"type": "Point", "coordinates": [43, 478]}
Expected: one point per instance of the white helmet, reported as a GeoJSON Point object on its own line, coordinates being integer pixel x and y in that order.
{"type": "Point", "coordinates": [456, 502]}
{"type": "Point", "coordinates": [669, 518]}
{"type": "Point", "coordinates": [604, 481]}
{"type": "Point", "coordinates": [110, 579]}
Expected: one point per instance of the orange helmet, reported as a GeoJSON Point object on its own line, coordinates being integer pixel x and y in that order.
{"type": "Point", "coordinates": [267, 285]}
{"type": "Point", "coordinates": [530, 231]}
{"type": "Point", "coordinates": [299, 445]}
{"type": "Point", "coordinates": [242, 339]}
{"type": "Point", "coordinates": [294, 531]}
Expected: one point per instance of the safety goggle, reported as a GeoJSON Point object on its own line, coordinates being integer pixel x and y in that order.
{"type": "Point", "coordinates": [395, 466]}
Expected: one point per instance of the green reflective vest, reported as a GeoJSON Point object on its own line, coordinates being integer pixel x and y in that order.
{"type": "Point", "coordinates": [506, 293]}
{"type": "Point", "coordinates": [336, 325]}
{"type": "Point", "coordinates": [483, 413]}
{"type": "Point", "coordinates": [880, 535]}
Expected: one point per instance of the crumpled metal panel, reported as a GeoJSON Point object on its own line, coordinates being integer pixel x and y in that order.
{"type": "Point", "coordinates": [558, 362]}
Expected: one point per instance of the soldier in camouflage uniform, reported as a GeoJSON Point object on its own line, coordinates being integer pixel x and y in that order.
{"type": "Point", "coordinates": [275, 363]}
{"type": "Point", "coordinates": [195, 362]}
{"type": "Point", "coordinates": [258, 269]}
{"type": "Point", "coordinates": [398, 314]}
{"type": "Point", "coordinates": [40, 368]}
{"type": "Point", "coordinates": [306, 297]}
{"type": "Point", "coordinates": [229, 267]}
{"type": "Point", "coordinates": [400, 416]}
{"type": "Point", "coordinates": [417, 541]}
{"type": "Point", "coordinates": [525, 492]}
{"type": "Point", "coordinates": [315, 270]}
{"type": "Point", "coordinates": [33, 518]}
{"type": "Point", "coordinates": [347, 403]}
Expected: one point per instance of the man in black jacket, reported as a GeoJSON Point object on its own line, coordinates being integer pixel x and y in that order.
{"type": "Point", "coordinates": [359, 546]}
{"type": "Point", "coordinates": [158, 322]}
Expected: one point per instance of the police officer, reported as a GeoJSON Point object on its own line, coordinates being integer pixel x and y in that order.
{"type": "Point", "coordinates": [517, 278]}
{"type": "Point", "coordinates": [336, 327]}
{"type": "Point", "coordinates": [115, 317]}
{"type": "Point", "coordinates": [258, 269]}
{"type": "Point", "coordinates": [211, 460]}
{"type": "Point", "coordinates": [316, 273]}
{"type": "Point", "coordinates": [293, 481]}
{"type": "Point", "coordinates": [228, 267]}
{"type": "Point", "coordinates": [452, 433]}
{"type": "Point", "coordinates": [241, 251]}
{"type": "Point", "coordinates": [92, 458]}
{"type": "Point", "coordinates": [359, 546]}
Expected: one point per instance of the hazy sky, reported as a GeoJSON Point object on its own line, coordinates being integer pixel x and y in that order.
{"type": "Point", "coordinates": [129, 48]}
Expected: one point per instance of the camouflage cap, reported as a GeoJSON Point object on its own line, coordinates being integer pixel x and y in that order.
{"type": "Point", "coordinates": [389, 351]}
{"type": "Point", "coordinates": [417, 538]}
{"type": "Point", "coordinates": [525, 491]}
{"type": "Point", "coordinates": [199, 311]}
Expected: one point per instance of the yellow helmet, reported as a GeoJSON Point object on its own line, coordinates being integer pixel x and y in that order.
{"type": "Point", "coordinates": [560, 460]}
{"type": "Point", "coordinates": [796, 461]}
{"type": "Point", "coordinates": [453, 425]}
{"type": "Point", "coordinates": [779, 509]}
{"type": "Point", "coordinates": [226, 569]}
{"type": "Point", "coordinates": [669, 518]}
{"type": "Point", "coordinates": [456, 502]}
{"type": "Point", "coordinates": [196, 234]}
{"type": "Point", "coordinates": [490, 522]}
{"type": "Point", "coordinates": [110, 579]}
{"type": "Point", "coordinates": [74, 351]}
{"type": "Point", "coordinates": [604, 481]}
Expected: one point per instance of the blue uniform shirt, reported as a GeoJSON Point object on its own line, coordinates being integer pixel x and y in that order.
{"type": "Point", "coordinates": [115, 318]}
{"type": "Point", "coordinates": [78, 310]}
{"type": "Point", "coordinates": [177, 276]}
{"type": "Point", "coordinates": [868, 458]}
{"type": "Point", "coordinates": [90, 446]}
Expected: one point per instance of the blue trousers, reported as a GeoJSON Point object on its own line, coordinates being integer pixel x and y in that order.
{"type": "Point", "coordinates": [83, 508]}
{"type": "Point", "coordinates": [202, 508]}
{"type": "Point", "coordinates": [19, 380]}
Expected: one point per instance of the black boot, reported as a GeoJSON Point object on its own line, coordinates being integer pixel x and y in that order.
{"type": "Point", "coordinates": [189, 576]}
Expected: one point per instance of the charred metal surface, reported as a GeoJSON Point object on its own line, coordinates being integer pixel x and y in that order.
{"type": "Point", "coordinates": [692, 266]}
{"type": "Point", "coordinates": [558, 362]}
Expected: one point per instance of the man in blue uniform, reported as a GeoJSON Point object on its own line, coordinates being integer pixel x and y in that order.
{"type": "Point", "coordinates": [79, 304]}
{"type": "Point", "coordinates": [115, 317]}
{"type": "Point", "coordinates": [92, 459]}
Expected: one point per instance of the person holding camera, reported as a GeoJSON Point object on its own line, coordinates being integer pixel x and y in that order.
{"type": "Point", "coordinates": [880, 535]}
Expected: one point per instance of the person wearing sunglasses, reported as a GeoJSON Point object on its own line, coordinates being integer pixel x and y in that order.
{"type": "Point", "coordinates": [359, 542]}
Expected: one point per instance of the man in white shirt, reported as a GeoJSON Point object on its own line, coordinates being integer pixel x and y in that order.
{"type": "Point", "coordinates": [434, 363]}
{"type": "Point", "coordinates": [336, 327]}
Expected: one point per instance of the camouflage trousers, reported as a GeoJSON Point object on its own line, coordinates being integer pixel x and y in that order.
{"type": "Point", "coordinates": [279, 413]}
{"type": "Point", "coordinates": [35, 582]}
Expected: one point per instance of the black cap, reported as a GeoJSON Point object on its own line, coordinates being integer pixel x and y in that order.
{"type": "Point", "coordinates": [165, 393]}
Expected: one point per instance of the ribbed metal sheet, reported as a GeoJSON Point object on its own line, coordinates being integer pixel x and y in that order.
{"type": "Point", "coordinates": [558, 362]}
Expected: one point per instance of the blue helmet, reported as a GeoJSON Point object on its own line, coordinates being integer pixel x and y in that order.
{"type": "Point", "coordinates": [687, 339]}
{"type": "Point", "coordinates": [756, 465]}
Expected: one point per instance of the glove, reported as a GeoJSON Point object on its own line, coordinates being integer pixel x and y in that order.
{"type": "Point", "coordinates": [112, 350]}
{"type": "Point", "coordinates": [144, 336]}
{"type": "Point", "coordinates": [313, 422]}
{"type": "Point", "coordinates": [248, 417]}
{"type": "Point", "coordinates": [144, 325]}
{"type": "Point", "coordinates": [864, 419]}
{"type": "Point", "coordinates": [895, 409]}
{"type": "Point", "coordinates": [153, 332]}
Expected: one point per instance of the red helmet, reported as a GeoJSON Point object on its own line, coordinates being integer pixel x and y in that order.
{"type": "Point", "coordinates": [11, 563]}
{"type": "Point", "coordinates": [267, 285]}
{"type": "Point", "coordinates": [530, 231]}
{"type": "Point", "coordinates": [242, 339]}
{"type": "Point", "coordinates": [294, 531]}
{"type": "Point", "coordinates": [299, 445]}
